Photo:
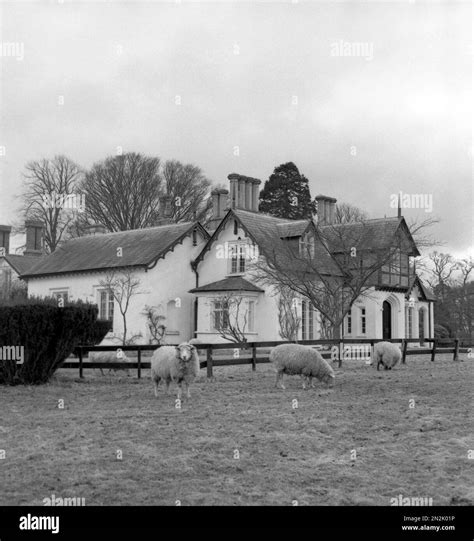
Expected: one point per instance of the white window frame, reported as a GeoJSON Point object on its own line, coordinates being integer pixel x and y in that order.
{"type": "Point", "coordinates": [223, 310]}
{"type": "Point", "coordinates": [237, 256]}
{"type": "Point", "coordinates": [108, 303]}
{"type": "Point", "coordinates": [308, 321]}
{"type": "Point", "coordinates": [307, 244]}
{"type": "Point", "coordinates": [363, 320]}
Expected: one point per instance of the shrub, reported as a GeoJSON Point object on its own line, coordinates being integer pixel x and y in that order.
{"type": "Point", "coordinates": [48, 334]}
{"type": "Point", "coordinates": [441, 333]}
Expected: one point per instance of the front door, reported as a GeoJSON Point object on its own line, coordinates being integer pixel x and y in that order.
{"type": "Point", "coordinates": [387, 321]}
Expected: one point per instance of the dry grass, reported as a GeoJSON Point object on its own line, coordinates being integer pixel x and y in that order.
{"type": "Point", "coordinates": [285, 453]}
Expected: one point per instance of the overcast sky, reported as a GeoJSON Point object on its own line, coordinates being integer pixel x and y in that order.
{"type": "Point", "coordinates": [263, 77]}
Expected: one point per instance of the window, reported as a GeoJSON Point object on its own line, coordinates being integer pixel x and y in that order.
{"type": "Point", "coordinates": [251, 316]}
{"type": "Point", "coordinates": [237, 258]}
{"type": "Point", "coordinates": [60, 295]}
{"type": "Point", "coordinates": [220, 315]}
{"type": "Point", "coordinates": [363, 321]}
{"type": "Point", "coordinates": [409, 322]}
{"type": "Point", "coordinates": [307, 321]}
{"type": "Point", "coordinates": [307, 245]}
{"type": "Point", "coordinates": [349, 322]}
{"type": "Point", "coordinates": [106, 305]}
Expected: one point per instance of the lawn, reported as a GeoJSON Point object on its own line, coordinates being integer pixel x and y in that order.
{"type": "Point", "coordinates": [240, 441]}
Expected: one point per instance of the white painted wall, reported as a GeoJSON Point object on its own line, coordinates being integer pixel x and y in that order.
{"type": "Point", "coordinates": [169, 281]}
{"type": "Point", "coordinates": [213, 268]}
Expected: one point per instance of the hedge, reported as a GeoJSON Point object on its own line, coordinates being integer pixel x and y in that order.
{"type": "Point", "coordinates": [46, 333]}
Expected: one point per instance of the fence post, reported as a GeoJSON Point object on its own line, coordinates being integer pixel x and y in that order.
{"type": "Point", "coordinates": [254, 358]}
{"type": "Point", "coordinates": [433, 351]}
{"type": "Point", "coordinates": [139, 363]}
{"type": "Point", "coordinates": [456, 350]}
{"type": "Point", "coordinates": [372, 352]}
{"type": "Point", "coordinates": [341, 347]}
{"type": "Point", "coordinates": [209, 362]}
{"type": "Point", "coordinates": [404, 354]}
{"type": "Point", "coordinates": [80, 363]}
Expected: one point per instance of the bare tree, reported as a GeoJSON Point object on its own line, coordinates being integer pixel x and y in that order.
{"type": "Point", "coordinates": [345, 214]}
{"type": "Point", "coordinates": [234, 320]}
{"type": "Point", "coordinates": [288, 319]}
{"type": "Point", "coordinates": [155, 323]}
{"type": "Point", "coordinates": [123, 286]}
{"type": "Point", "coordinates": [51, 196]}
{"type": "Point", "coordinates": [331, 267]}
{"type": "Point", "coordinates": [189, 190]}
{"type": "Point", "coordinates": [123, 192]}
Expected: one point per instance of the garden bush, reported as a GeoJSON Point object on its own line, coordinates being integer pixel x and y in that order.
{"type": "Point", "coordinates": [46, 333]}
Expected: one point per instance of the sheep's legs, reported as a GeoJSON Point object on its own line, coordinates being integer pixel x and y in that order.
{"type": "Point", "coordinates": [304, 381]}
{"type": "Point", "coordinates": [156, 382]}
{"type": "Point", "coordinates": [279, 380]}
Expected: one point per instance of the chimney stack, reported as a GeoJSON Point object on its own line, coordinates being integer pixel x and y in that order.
{"type": "Point", "coordinates": [165, 209]}
{"type": "Point", "coordinates": [5, 231]}
{"type": "Point", "coordinates": [34, 238]}
{"type": "Point", "coordinates": [326, 209]}
{"type": "Point", "coordinates": [220, 202]}
{"type": "Point", "coordinates": [244, 192]}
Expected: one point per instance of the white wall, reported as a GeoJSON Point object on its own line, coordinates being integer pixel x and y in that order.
{"type": "Point", "coordinates": [214, 268]}
{"type": "Point", "coordinates": [169, 281]}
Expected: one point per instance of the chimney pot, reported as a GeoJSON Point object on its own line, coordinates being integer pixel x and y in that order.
{"type": "Point", "coordinates": [34, 237]}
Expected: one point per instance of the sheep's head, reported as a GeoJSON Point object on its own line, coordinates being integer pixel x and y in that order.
{"type": "Point", "coordinates": [185, 351]}
{"type": "Point", "coordinates": [329, 380]}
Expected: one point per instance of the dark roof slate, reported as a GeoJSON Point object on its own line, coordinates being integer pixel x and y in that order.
{"type": "Point", "coordinates": [232, 283]}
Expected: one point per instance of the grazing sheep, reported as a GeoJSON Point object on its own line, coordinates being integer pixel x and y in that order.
{"type": "Point", "coordinates": [108, 357]}
{"type": "Point", "coordinates": [386, 354]}
{"type": "Point", "coordinates": [295, 359]}
{"type": "Point", "coordinates": [175, 363]}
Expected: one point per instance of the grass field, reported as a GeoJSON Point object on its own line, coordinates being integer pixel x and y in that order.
{"type": "Point", "coordinates": [285, 453]}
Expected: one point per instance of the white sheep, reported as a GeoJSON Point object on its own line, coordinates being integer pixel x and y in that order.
{"type": "Point", "coordinates": [175, 363]}
{"type": "Point", "coordinates": [386, 354]}
{"type": "Point", "coordinates": [109, 357]}
{"type": "Point", "coordinates": [295, 359]}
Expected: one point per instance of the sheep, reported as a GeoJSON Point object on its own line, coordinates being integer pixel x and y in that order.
{"type": "Point", "coordinates": [386, 354]}
{"type": "Point", "coordinates": [175, 363]}
{"type": "Point", "coordinates": [108, 357]}
{"type": "Point", "coordinates": [295, 359]}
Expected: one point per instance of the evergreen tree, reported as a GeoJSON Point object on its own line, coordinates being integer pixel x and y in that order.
{"type": "Point", "coordinates": [286, 194]}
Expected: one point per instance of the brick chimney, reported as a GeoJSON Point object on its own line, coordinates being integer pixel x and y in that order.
{"type": "Point", "coordinates": [5, 231]}
{"type": "Point", "coordinates": [34, 238]}
{"type": "Point", "coordinates": [220, 205]}
{"type": "Point", "coordinates": [165, 209]}
{"type": "Point", "coordinates": [244, 192]}
{"type": "Point", "coordinates": [326, 209]}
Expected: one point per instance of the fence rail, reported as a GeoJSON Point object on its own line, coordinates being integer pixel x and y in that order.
{"type": "Point", "coordinates": [437, 346]}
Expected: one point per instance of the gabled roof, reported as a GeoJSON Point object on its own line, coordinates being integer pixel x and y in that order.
{"type": "Point", "coordinates": [139, 248]}
{"type": "Point", "coordinates": [267, 231]}
{"type": "Point", "coordinates": [372, 234]}
{"type": "Point", "coordinates": [416, 281]}
{"type": "Point", "coordinates": [232, 283]}
{"type": "Point", "coordinates": [22, 263]}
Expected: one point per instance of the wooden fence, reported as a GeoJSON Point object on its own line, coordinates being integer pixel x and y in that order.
{"type": "Point", "coordinates": [252, 358]}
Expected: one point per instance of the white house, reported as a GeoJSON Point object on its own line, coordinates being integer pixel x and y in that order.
{"type": "Point", "coordinates": [194, 275]}
{"type": "Point", "coordinates": [159, 258]}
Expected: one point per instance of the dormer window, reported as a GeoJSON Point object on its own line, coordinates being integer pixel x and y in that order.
{"type": "Point", "coordinates": [307, 245]}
